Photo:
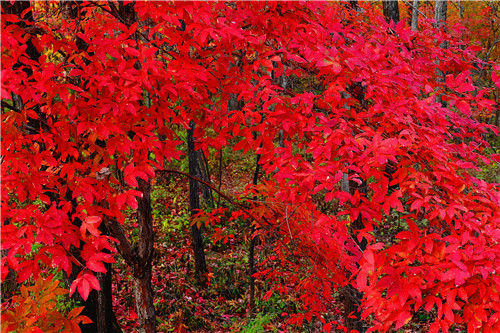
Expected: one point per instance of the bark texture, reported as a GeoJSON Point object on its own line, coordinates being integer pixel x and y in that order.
{"type": "Point", "coordinates": [200, 265]}
{"type": "Point", "coordinates": [143, 293]}
{"type": "Point", "coordinates": [352, 297]}
{"type": "Point", "coordinates": [140, 259]}
{"type": "Point", "coordinates": [106, 318]}
{"type": "Point", "coordinates": [440, 11]}
{"type": "Point", "coordinates": [440, 15]}
{"type": "Point", "coordinates": [143, 265]}
{"type": "Point", "coordinates": [414, 15]}
{"type": "Point", "coordinates": [391, 10]}
{"type": "Point", "coordinates": [251, 252]}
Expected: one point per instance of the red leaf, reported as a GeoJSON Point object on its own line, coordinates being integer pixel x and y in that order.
{"type": "Point", "coordinates": [131, 180]}
{"type": "Point", "coordinates": [242, 145]}
{"type": "Point", "coordinates": [133, 52]}
{"type": "Point", "coordinates": [464, 107]}
{"type": "Point", "coordinates": [132, 315]}
{"type": "Point", "coordinates": [416, 204]}
{"type": "Point", "coordinates": [403, 318]}
{"type": "Point", "coordinates": [92, 280]}
{"type": "Point", "coordinates": [120, 200]}
{"type": "Point", "coordinates": [91, 224]}
{"type": "Point", "coordinates": [96, 266]}
{"type": "Point", "coordinates": [84, 288]}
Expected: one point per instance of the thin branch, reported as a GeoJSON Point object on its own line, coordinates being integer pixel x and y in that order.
{"type": "Point", "coordinates": [123, 246]}
{"type": "Point", "coordinates": [117, 15]}
{"type": "Point", "coordinates": [492, 46]}
{"type": "Point", "coordinates": [72, 256]}
{"type": "Point", "coordinates": [13, 108]}
{"type": "Point", "coordinates": [405, 1]}
{"type": "Point", "coordinates": [220, 193]}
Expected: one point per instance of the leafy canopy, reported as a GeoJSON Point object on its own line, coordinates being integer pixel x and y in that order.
{"type": "Point", "coordinates": [351, 96]}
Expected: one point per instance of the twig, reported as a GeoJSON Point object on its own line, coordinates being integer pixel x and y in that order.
{"type": "Point", "coordinates": [405, 1]}
{"type": "Point", "coordinates": [117, 15]}
{"type": "Point", "coordinates": [13, 108]}
{"type": "Point", "coordinates": [206, 184]}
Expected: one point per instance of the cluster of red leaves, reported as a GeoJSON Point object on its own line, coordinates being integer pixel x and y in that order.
{"type": "Point", "coordinates": [375, 108]}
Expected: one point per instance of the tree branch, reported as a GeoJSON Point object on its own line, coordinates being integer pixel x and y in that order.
{"type": "Point", "coordinates": [406, 2]}
{"type": "Point", "coordinates": [13, 108]}
{"type": "Point", "coordinates": [226, 197]}
{"type": "Point", "coordinates": [123, 246]}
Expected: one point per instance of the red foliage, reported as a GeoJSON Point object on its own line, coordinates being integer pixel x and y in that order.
{"type": "Point", "coordinates": [359, 98]}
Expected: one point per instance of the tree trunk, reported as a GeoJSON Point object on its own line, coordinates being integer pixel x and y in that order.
{"type": "Point", "coordinates": [144, 261]}
{"type": "Point", "coordinates": [143, 293]}
{"type": "Point", "coordinates": [251, 251]}
{"type": "Point", "coordinates": [440, 12]}
{"type": "Point", "coordinates": [106, 319]}
{"type": "Point", "coordinates": [414, 16]}
{"type": "Point", "coordinates": [16, 9]}
{"type": "Point", "coordinates": [352, 315]}
{"type": "Point", "coordinates": [391, 11]}
{"type": "Point", "coordinates": [352, 297]}
{"type": "Point", "coordinates": [205, 175]}
{"type": "Point", "coordinates": [100, 302]}
{"type": "Point", "coordinates": [140, 259]}
{"type": "Point", "coordinates": [194, 203]}
{"type": "Point", "coordinates": [460, 9]}
{"type": "Point", "coordinates": [251, 268]}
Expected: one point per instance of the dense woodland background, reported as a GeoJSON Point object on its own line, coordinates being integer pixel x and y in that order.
{"type": "Point", "coordinates": [250, 166]}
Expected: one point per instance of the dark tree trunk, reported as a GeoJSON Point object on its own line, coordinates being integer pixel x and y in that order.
{"type": "Point", "coordinates": [17, 8]}
{"type": "Point", "coordinates": [99, 305]}
{"type": "Point", "coordinates": [142, 270]}
{"type": "Point", "coordinates": [251, 252]}
{"type": "Point", "coordinates": [100, 302]}
{"type": "Point", "coordinates": [144, 302]}
{"type": "Point", "coordinates": [391, 10]}
{"type": "Point", "coordinates": [140, 259]}
{"type": "Point", "coordinates": [194, 203]}
{"type": "Point", "coordinates": [9, 285]}
{"type": "Point", "coordinates": [352, 315]}
{"type": "Point", "coordinates": [106, 319]}
{"type": "Point", "coordinates": [251, 267]}
{"type": "Point", "coordinates": [352, 297]}
{"type": "Point", "coordinates": [460, 9]}
{"type": "Point", "coordinates": [205, 175]}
